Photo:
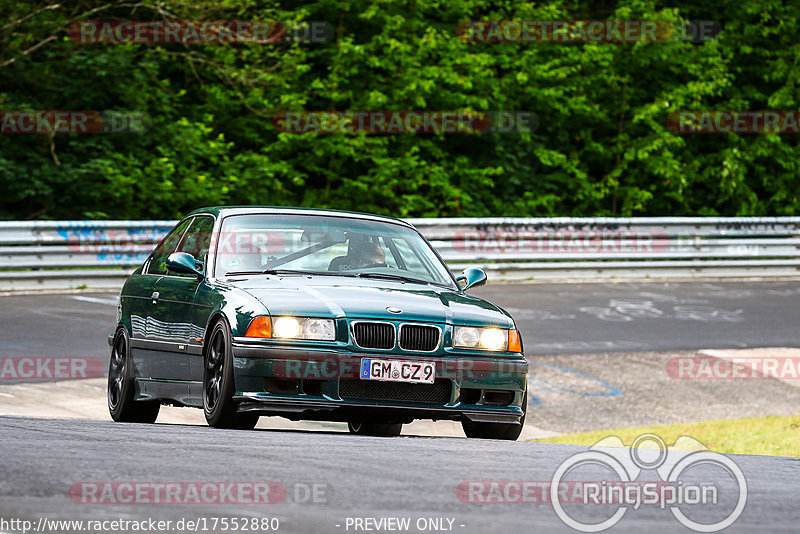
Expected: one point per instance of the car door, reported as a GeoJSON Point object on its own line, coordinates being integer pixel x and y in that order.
{"type": "Point", "coordinates": [197, 244]}
{"type": "Point", "coordinates": [177, 325]}
{"type": "Point", "coordinates": [139, 297]}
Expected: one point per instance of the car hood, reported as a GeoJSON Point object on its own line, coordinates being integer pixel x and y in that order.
{"type": "Point", "coordinates": [369, 299]}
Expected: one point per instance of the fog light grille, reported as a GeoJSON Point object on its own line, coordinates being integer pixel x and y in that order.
{"type": "Point", "coordinates": [497, 398]}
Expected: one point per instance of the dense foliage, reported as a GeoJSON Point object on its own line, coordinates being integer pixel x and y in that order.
{"type": "Point", "coordinates": [602, 146]}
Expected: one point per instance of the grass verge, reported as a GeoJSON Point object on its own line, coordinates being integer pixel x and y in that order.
{"type": "Point", "coordinates": [773, 435]}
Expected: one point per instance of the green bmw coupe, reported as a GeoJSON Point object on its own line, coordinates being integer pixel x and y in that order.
{"type": "Point", "coordinates": [315, 315]}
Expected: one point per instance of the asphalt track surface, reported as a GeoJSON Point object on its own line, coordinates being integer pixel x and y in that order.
{"type": "Point", "coordinates": [356, 477]}
{"type": "Point", "coordinates": [651, 316]}
{"type": "Point", "coordinates": [553, 318]}
{"type": "Point", "coordinates": [598, 353]}
{"type": "Point", "coordinates": [596, 329]}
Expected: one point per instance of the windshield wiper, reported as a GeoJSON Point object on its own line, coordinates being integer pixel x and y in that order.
{"type": "Point", "coordinates": [386, 276]}
{"type": "Point", "coordinates": [288, 271]}
{"type": "Point", "coordinates": [381, 276]}
{"type": "Point", "coordinates": [326, 273]}
{"type": "Point", "coordinates": [265, 271]}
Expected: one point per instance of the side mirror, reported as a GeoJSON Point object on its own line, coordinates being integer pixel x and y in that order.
{"type": "Point", "coordinates": [181, 262]}
{"type": "Point", "coordinates": [472, 277]}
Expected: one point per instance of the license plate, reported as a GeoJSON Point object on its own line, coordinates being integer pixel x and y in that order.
{"type": "Point", "coordinates": [398, 370]}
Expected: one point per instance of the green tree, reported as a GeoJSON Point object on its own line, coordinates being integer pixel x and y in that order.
{"type": "Point", "coordinates": [602, 146]}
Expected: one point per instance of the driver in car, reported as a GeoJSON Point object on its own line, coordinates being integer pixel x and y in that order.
{"type": "Point", "coordinates": [369, 254]}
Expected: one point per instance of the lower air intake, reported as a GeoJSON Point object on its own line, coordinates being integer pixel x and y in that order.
{"type": "Point", "coordinates": [436, 393]}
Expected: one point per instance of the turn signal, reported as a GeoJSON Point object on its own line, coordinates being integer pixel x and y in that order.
{"type": "Point", "coordinates": [514, 344]}
{"type": "Point", "coordinates": [259, 327]}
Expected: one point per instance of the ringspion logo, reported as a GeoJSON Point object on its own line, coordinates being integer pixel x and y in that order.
{"type": "Point", "coordinates": [685, 486]}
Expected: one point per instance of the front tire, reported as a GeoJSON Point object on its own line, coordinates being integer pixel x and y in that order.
{"type": "Point", "coordinates": [218, 387]}
{"type": "Point", "coordinates": [507, 431]}
{"type": "Point", "coordinates": [120, 390]}
{"type": "Point", "coordinates": [375, 429]}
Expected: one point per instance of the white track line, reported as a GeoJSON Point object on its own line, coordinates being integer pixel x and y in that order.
{"type": "Point", "coordinates": [109, 301]}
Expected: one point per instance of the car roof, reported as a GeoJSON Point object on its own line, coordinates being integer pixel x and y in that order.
{"type": "Point", "coordinates": [224, 211]}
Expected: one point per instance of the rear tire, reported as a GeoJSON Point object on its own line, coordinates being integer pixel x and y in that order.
{"type": "Point", "coordinates": [507, 431]}
{"type": "Point", "coordinates": [120, 390]}
{"type": "Point", "coordinates": [375, 429]}
{"type": "Point", "coordinates": [218, 387]}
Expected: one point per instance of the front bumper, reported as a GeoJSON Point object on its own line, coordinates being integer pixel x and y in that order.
{"type": "Point", "coordinates": [302, 383]}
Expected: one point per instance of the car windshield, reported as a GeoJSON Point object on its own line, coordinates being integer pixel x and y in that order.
{"type": "Point", "coordinates": [337, 246]}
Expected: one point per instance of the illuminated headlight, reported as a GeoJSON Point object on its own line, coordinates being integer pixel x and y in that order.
{"type": "Point", "coordinates": [303, 328]}
{"type": "Point", "coordinates": [469, 337]}
{"type": "Point", "coordinates": [287, 327]}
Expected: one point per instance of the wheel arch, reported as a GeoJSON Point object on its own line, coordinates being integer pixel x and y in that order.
{"type": "Point", "coordinates": [213, 319]}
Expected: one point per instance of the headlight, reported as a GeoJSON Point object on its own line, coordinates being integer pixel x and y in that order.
{"type": "Point", "coordinates": [292, 328]}
{"type": "Point", "coordinates": [321, 329]}
{"type": "Point", "coordinates": [288, 327]}
{"type": "Point", "coordinates": [494, 339]}
{"type": "Point", "coordinates": [465, 337]}
{"type": "Point", "coordinates": [469, 337]}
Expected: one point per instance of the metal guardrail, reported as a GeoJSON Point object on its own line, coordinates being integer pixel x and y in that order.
{"type": "Point", "coordinates": [100, 254]}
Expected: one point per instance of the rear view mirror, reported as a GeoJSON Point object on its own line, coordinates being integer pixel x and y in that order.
{"type": "Point", "coordinates": [472, 277]}
{"type": "Point", "coordinates": [181, 262]}
{"type": "Point", "coordinates": [318, 235]}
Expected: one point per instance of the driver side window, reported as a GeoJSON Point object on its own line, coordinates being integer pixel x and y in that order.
{"type": "Point", "coordinates": [197, 240]}
{"type": "Point", "coordinates": [158, 261]}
